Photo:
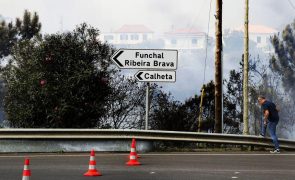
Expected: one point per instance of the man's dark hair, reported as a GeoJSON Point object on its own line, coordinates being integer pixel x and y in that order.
{"type": "Point", "coordinates": [261, 97]}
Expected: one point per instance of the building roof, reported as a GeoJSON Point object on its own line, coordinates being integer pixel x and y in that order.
{"type": "Point", "coordinates": [258, 29]}
{"type": "Point", "coordinates": [133, 29]}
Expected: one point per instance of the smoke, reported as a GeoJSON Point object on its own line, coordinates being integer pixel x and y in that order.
{"type": "Point", "coordinates": [190, 75]}
{"type": "Point", "coordinates": [272, 13]}
{"type": "Point", "coordinates": [109, 15]}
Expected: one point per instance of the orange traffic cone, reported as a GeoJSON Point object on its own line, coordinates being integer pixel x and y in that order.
{"type": "Point", "coordinates": [27, 171]}
{"type": "Point", "coordinates": [133, 155]}
{"type": "Point", "coordinates": [92, 169]}
{"type": "Point", "coordinates": [133, 140]}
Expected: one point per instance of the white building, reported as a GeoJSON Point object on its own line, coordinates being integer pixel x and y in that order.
{"type": "Point", "coordinates": [261, 36]}
{"type": "Point", "coordinates": [128, 35]}
{"type": "Point", "coordinates": [185, 40]}
{"type": "Point", "coordinates": [139, 36]}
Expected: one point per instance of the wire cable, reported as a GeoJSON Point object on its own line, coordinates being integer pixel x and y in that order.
{"type": "Point", "coordinates": [292, 5]}
{"type": "Point", "coordinates": [207, 38]}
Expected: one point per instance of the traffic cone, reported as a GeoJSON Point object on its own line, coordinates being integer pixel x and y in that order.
{"type": "Point", "coordinates": [133, 155]}
{"type": "Point", "coordinates": [27, 171]}
{"type": "Point", "coordinates": [92, 169]}
{"type": "Point", "coordinates": [133, 140]}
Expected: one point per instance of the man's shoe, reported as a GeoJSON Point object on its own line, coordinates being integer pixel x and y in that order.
{"type": "Point", "coordinates": [276, 151]}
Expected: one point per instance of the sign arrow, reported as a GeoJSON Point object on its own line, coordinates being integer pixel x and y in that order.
{"type": "Point", "coordinates": [158, 59]}
{"type": "Point", "coordinates": [155, 76]}
{"type": "Point", "coordinates": [115, 58]}
{"type": "Point", "coordinates": [138, 75]}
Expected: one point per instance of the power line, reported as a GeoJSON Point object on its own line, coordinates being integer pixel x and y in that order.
{"type": "Point", "coordinates": [190, 25]}
{"type": "Point", "coordinates": [292, 5]}
{"type": "Point", "coordinates": [207, 38]}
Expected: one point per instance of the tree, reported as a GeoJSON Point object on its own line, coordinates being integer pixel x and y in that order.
{"type": "Point", "coordinates": [59, 81]}
{"type": "Point", "coordinates": [208, 108]}
{"type": "Point", "coordinates": [2, 92]}
{"type": "Point", "coordinates": [8, 38]}
{"type": "Point", "coordinates": [29, 26]}
{"type": "Point", "coordinates": [282, 65]}
{"type": "Point", "coordinates": [168, 114]}
{"type": "Point", "coordinates": [125, 106]}
{"type": "Point", "coordinates": [23, 29]}
{"type": "Point", "coordinates": [283, 61]}
{"type": "Point", "coordinates": [233, 97]}
{"type": "Point", "coordinates": [233, 102]}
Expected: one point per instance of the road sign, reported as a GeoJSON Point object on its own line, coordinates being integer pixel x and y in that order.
{"type": "Point", "coordinates": [146, 59]}
{"type": "Point", "coordinates": [155, 76]}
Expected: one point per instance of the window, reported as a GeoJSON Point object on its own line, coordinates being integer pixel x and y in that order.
{"type": "Point", "coordinates": [144, 37]}
{"type": "Point", "coordinates": [108, 37]}
{"type": "Point", "coordinates": [134, 37]}
{"type": "Point", "coordinates": [124, 37]}
{"type": "Point", "coordinates": [258, 39]}
{"type": "Point", "coordinates": [173, 41]}
{"type": "Point", "coordinates": [194, 41]}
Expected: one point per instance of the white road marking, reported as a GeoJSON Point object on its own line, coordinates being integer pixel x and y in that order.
{"type": "Point", "coordinates": [143, 155]}
{"type": "Point", "coordinates": [217, 154]}
{"type": "Point", "coordinates": [237, 172]}
{"type": "Point", "coordinates": [234, 177]}
{"type": "Point", "coordinates": [45, 155]}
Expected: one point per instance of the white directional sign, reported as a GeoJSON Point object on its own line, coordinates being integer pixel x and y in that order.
{"type": "Point", "coordinates": [155, 76]}
{"type": "Point", "coordinates": [146, 59]}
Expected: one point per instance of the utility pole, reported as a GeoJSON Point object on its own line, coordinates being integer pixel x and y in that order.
{"type": "Point", "coordinates": [218, 68]}
{"type": "Point", "coordinates": [201, 109]}
{"type": "Point", "coordinates": [246, 70]}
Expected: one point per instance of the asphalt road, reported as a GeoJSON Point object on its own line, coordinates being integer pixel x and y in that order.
{"type": "Point", "coordinates": [168, 166]}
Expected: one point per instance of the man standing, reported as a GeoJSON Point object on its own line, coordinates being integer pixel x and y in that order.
{"type": "Point", "coordinates": [271, 119]}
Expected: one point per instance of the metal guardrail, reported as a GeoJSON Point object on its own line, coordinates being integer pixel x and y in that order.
{"type": "Point", "coordinates": [99, 134]}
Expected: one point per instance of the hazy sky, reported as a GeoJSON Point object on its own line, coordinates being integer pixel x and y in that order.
{"type": "Point", "coordinates": [158, 15]}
